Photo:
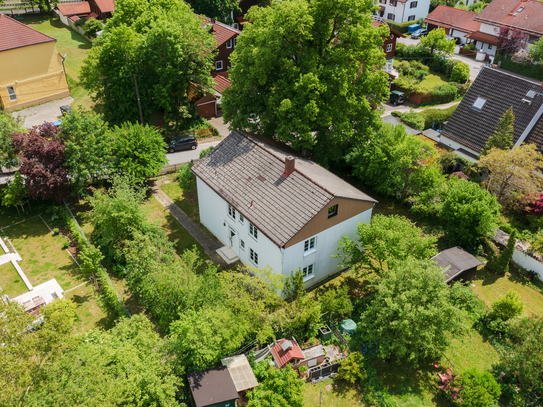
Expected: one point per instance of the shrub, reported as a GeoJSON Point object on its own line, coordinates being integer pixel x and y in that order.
{"type": "Point", "coordinates": [92, 26]}
{"type": "Point", "coordinates": [413, 52]}
{"type": "Point", "coordinates": [502, 263]}
{"type": "Point", "coordinates": [409, 86]}
{"type": "Point", "coordinates": [444, 91]}
{"type": "Point", "coordinates": [460, 175]}
{"type": "Point", "coordinates": [414, 120]}
{"type": "Point", "coordinates": [352, 369]}
{"type": "Point", "coordinates": [55, 231]}
{"type": "Point", "coordinates": [461, 88]}
{"type": "Point", "coordinates": [303, 369]}
{"type": "Point", "coordinates": [403, 67]}
{"type": "Point", "coordinates": [460, 73]}
{"type": "Point", "coordinates": [432, 116]}
{"type": "Point", "coordinates": [470, 47]}
{"type": "Point", "coordinates": [205, 152]}
{"type": "Point", "coordinates": [480, 389]}
{"type": "Point", "coordinates": [185, 176]}
{"type": "Point", "coordinates": [399, 48]}
{"type": "Point", "coordinates": [507, 307]}
{"type": "Point", "coordinates": [522, 57]}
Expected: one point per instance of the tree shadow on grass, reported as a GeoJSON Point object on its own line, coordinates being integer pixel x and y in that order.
{"type": "Point", "coordinates": [487, 276]}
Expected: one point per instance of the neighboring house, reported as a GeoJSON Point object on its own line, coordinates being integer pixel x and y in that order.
{"type": "Point", "coordinates": [389, 44]}
{"type": "Point", "coordinates": [286, 351]}
{"type": "Point", "coordinates": [102, 8]}
{"type": "Point", "coordinates": [492, 93]}
{"type": "Point", "coordinates": [225, 37]}
{"type": "Point", "coordinates": [456, 262]}
{"type": "Point", "coordinates": [400, 11]}
{"type": "Point", "coordinates": [213, 388]}
{"type": "Point", "coordinates": [526, 16]}
{"type": "Point", "coordinates": [209, 105]}
{"type": "Point", "coordinates": [31, 69]}
{"type": "Point", "coordinates": [456, 23]}
{"type": "Point", "coordinates": [273, 209]}
{"type": "Point", "coordinates": [70, 14]}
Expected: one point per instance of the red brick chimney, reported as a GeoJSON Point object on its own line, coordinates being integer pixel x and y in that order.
{"type": "Point", "coordinates": [289, 166]}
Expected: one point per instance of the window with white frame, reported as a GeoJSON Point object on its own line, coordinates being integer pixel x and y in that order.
{"type": "Point", "coordinates": [308, 271]}
{"type": "Point", "coordinates": [310, 244]}
{"type": "Point", "coordinates": [253, 231]}
{"type": "Point", "coordinates": [393, 3]}
{"type": "Point", "coordinates": [411, 18]}
{"type": "Point", "coordinates": [231, 212]}
{"type": "Point", "coordinates": [242, 244]}
{"type": "Point", "coordinates": [218, 65]}
{"type": "Point", "coordinates": [253, 256]}
{"type": "Point", "coordinates": [241, 219]}
{"type": "Point", "coordinates": [12, 94]}
{"type": "Point", "coordinates": [236, 26]}
{"type": "Point", "coordinates": [389, 47]}
{"type": "Point", "coordinates": [413, 4]}
{"type": "Point", "coordinates": [390, 16]}
{"type": "Point", "coordinates": [229, 43]}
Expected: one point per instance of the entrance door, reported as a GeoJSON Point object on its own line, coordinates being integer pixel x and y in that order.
{"type": "Point", "coordinates": [231, 237]}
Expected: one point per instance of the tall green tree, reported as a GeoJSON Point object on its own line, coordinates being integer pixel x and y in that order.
{"type": "Point", "coordinates": [88, 147]}
{"type": "Point", "coordinates": [137, 151]}
{"type": "Point", "coordinates": [311, 72]}
{"type": "Point", "coordinates": [390, 160]}
{"type": "Point", "coordinates": [383, 241]}
{"type": "Point", "coordinates": [469, 212]}
{"type": "Point", "coordinates": [8, 125]}
{"type": "Point", "coordinates": [217, 9]}
{"type": "Point", "coordinates": [14, 192]}
{"type": "Point", "coordinates": [436, 40]}
{"type": "Point", "coordinates": [536, 50]}
{"type": "Point", "coordinates": [410, 314]}
{"type": "Point", "coordinates": [503, 135]}
{"type": "Point", "coordinates": [336, 302]}
{"type": "Point", "coordinates": [161, 45]}
{"type": "Point", "coordinates": [276, 387]}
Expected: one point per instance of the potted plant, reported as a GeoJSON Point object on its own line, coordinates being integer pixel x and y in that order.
{"type": "Point", "coordinates": [303, 370]}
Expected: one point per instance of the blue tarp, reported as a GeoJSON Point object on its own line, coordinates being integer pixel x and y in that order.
{"type": "Point", "coordinates": [413, 27]}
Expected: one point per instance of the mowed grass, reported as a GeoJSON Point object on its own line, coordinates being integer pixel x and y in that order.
{"type": "Point", "coordinates": [490, 287]}
{"type": "Point", "coordinates": [90, 314]}
{"type": "Point", "coordinates": [187, 200]}
{"type": "Point", "coordinates": [10, 282]}
{"type": "Point", "coordinates": [69, 43]}
{"type": "Point", "coordinates": [176, 233]}
{"type": "Point", "coordinates": [43, 256]}
{"type": "Point", "coordinates": [334, 394]}
{"type": "Point", "coordinates": [434, 79]}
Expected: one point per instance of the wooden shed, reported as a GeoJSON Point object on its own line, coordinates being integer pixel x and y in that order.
{"type": "Point", "coordinates": [455, 262]}
{"type": "Point", "coordinates": [213, 388]}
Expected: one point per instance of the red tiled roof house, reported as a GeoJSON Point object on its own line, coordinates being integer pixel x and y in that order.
{"type": "Point", "coordinates": [286, 351]}
{"type": "Point", "coordinates": [456, 23]}
{"type": "Point", "coordinates": [31, 69]}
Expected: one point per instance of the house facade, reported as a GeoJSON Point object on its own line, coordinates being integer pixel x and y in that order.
{"type": "Point", "coordinates": [275, 210]}
{"type": "Point", "coordinates": [209, 105]}
{"type": "Point", "coordinates": [400, 11]}
{"type": "Point", "coordinates": [225, 38]}
{"type": "Point", "coordinates": [32, 70]}
{"type": "Point", "coordinates": [492, 93]}
{"type": "Point", "coordinates": [456, 23]}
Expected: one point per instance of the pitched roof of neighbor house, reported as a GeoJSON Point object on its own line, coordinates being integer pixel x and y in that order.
{"type": "Point", "coordinates": [241, 372]}
{"type": "Point", "coordinates": [14, 34]}
{"type": "Point", "coordinates": [484, 37]}
{"type": "Point", "coordinates": [450, 17]}
{"type": "Point", "coordinates": [282, 356]}
{"type": "Point", "coordinates": [221, 83]}
{"type": "Point", "coordinates": [247, 172]}
{"type": "Point", "coordinates": [497, 91]}
{"type": "Point", "coordinates": [524, 15]}
{"type": "Point", "coordinates": [74, 8]}
{"type": "Point", "coordinates": [455, 261]}
{"type": "Point", "coordinates": [222, 32]}
{"type": "Point", "coordinates": [105, 6]}
{"type": "Point", "coordinates": [211, 387]}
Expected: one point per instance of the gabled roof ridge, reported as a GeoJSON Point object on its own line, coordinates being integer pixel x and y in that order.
{"type": "Point", "coordinates": [283, 161]}
{"type": "Point", "coordinates": [26, 28]}
{"type": "Point", "coordinates": [228, 27]}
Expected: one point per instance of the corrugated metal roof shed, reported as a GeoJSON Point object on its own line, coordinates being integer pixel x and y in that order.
{"type": "Point", "coordinates": [455, 261]}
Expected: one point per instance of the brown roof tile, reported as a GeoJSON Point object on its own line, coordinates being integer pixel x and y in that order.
{"type": "Point", "coordinates": [74, 8]}
{"type": "Point", "coordinates": [450, 17]}
{"type": "Point", "coordinates": [279, 207]}
{"type": "Point", "coordinates": [284, 356]}
{"type": "Point", "coordinates": [105, 6]}
{"type": "Point", "coordinates": [484, 37]}
{"type": "Point", "coordinates": [501, 90]}
{"type": "Point", "coordinates": [14, 34]}
{"type": "Point", "coordinates": [222, 31]}
{"type": "Point", "coordinates": [505, 13]}
{"type": "Point", "coordinates": [212, 387]}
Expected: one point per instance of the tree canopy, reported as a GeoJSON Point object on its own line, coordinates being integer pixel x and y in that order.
{"type": "Point", "coordinates": [163, 46]}
{"type": "Point", "coordinates": [503, 135]}
{"type": "Point", "coordinates": [436, 40]}
{"type": "Point", "coordinates": [217, 9]}
{"type": "Point", "coordinates": [410, 314]}
{"type": "Point", "coordinates": [8, 125]}
{"type": "Point", "coordinates": [311, 72]}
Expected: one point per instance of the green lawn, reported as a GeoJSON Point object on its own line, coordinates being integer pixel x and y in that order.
{"type": "Point", "coordinates": [74, 45]}
{"type": "Point", "coordinates": [10, 282]}
{"type": "Point", "coordinates": [333, 395]}
{"type": "Point", "coordinates": [434, 79]}
{"type": "Point", "coordinates": [43, 257]}
{"type": "Point", "coordinates": [187, 200]}
{"type": "Point", "coordinates": [90, 314]}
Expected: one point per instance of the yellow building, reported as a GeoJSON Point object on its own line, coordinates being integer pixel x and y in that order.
{"type": "Point", "coordinates": [31, 69]}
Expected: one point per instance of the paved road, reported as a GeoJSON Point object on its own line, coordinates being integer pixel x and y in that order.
{"type": "Point", "coordinates": [182, 157]}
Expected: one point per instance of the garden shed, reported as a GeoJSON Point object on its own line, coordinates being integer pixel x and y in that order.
{"type": "Point", "coordinates": [213, 388]}
{"type": "Point", "coordinates": [455, 262]}
{"type": "Point", "coordinates": [241, 372]}
{"type": "Point", "coordinates": [285, 351]}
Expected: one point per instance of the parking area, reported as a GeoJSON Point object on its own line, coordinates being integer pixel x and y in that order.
{"type": "Point", "coordinates": [47, 112]}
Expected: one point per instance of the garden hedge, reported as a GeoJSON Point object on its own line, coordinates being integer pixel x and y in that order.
{"type": "Point", "coordinates": [424, 120]}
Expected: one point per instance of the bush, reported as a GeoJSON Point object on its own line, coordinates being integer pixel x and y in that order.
{"type": "Point", "coordinates": [352, 369]}
{"type": "Point", "coordinates": [413, 119]}
{"type": "Point", "coordinates": [434, 115]}
{"type": "Point", "coordinates": [470, 47]}
{"type": "Point", "coordinates": [480, 389]}
{"type": "Point", "coordinates": [399, 48]}
{"type": "Point", "coordinates": [413, 52]}
{"type": "Point", "coordinates": [445, 91]}
{"type": "Point", "coordinates": [55, 231]}
{"type": "Point", "coordinates": [460, 73]}
{"type": "Point", "coordinates": [409, 86]}
{"type": "Point", "coordinates": [403, 67]}
{"type": "Point", "coordinates": [533, 71]}
{"type": "Point", "coordinates": [461, 88]}
{"type": "Point", "coordinates": [507, 307]}
{"type": "Point", "coordinates": [203, 153]}
{"type": "Point", "coordinates": [92, 26]}
{"type": "Point", "coordinates": [185, 176]}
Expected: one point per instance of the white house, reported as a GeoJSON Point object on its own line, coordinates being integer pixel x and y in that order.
{"type": "Point", "coordinates": [274, 209]}
{"type": "Point", "coordinates": [400, 11]}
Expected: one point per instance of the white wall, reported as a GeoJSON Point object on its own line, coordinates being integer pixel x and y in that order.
{"type": "Point", "coordinates": [326, 246]}
{"type": "Point", "coordinates": [459, 34]}
{"type": "Point", "coordinates": [528, 263]}
{"type": "Point", "coordinates": [400, 15]}
{"type": "Point", "coordinates": [214, 216]}
{"type": "Point", "coordinates": [489, 29]}
{"type": "Point", "coordinates": [486, 48]}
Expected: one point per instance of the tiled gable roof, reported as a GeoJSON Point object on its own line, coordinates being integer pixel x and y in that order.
{"type": "Point", "coordinates": [105, 6]}
{"type": "Point", "coordinates": [505, 13]}
{"type": "Point", "coordinates": [501, 90]}
{"type": "Point", "coordinates": [248, 173]}
{"type": "Point", "coordinates": [74, 8]}
{"type": "Point", "coordinates": [221, 83]}
{"type": "Point", "coordinates": [14, 34]}
{"type": "Point", "coordinates": [222, 32]}
{"type": "Point", "coordinates": [450, 17]}
{"type": "Point", "coordinates": [283, 357]}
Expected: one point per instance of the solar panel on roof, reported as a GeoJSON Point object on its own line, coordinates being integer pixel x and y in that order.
{"type": "Point", "coordinates": [478, 104]}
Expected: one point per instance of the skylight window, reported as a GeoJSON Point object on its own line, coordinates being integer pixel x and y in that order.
{"type": "Point", "coordinates": [478, 104]}
{"type": "Point", "coordinates": [520, 9]}
{"type": "Point", "coordinates": [530, 94]}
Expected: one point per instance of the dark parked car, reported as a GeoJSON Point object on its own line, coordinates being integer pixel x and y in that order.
{"type": "Point", "coordinates": [419, 33]}
{"type": "Point", "coordinates": [397, 97]}
{"type": "Point", "coordinates": [184, 142]}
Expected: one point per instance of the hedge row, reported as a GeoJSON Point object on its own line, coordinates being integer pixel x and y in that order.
{"type": "Point", "coordinates": [108, 292]}
{"type": "Point", "coordinates": [401, 27]}
{"type": "Point", "coordinates": [532, 71]}
{"type": "Point", "coordinates": [424, 120]}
